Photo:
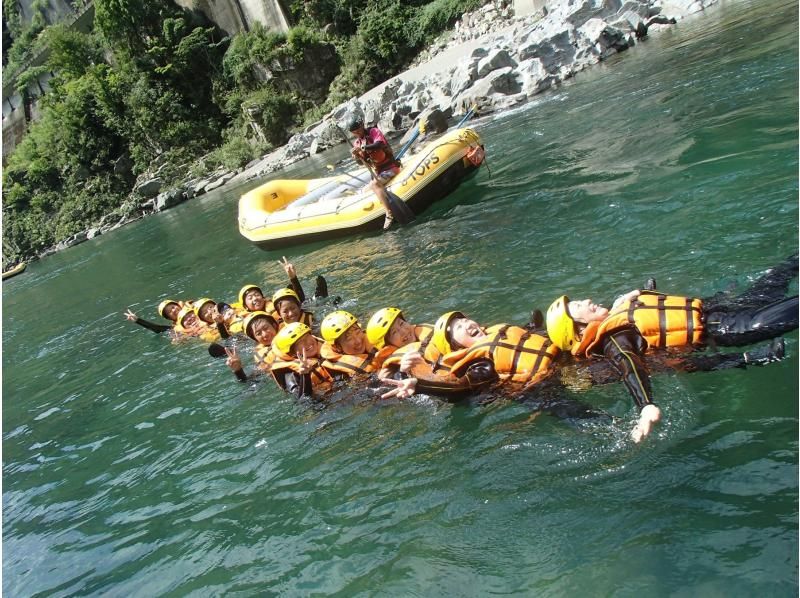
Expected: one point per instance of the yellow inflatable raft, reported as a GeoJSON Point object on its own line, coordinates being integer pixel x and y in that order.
{"type": "Point", "coordinates": [291, 211]}
{"type": "Point", "coordinates": [18, 269]}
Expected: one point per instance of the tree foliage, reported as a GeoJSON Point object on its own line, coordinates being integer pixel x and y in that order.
{"type": "Point", "coordinates": [157, 84]}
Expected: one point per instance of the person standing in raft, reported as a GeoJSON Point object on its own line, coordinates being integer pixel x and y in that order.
{"type": "Point", "coordinates": [372, 148]}
{"type": "Point", "coordinates": [168, 309]}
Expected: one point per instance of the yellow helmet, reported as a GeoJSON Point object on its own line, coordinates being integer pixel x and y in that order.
{"type": "Point", "coordinates": [288, 336]}
{"type": "Point", "coordinates": [334, 324]}
{"type": "Point", "coordinates": [244, 290]}
{"type": "Point", "coordinates": [441, 331]}
{"type": "Point", "coordinates": [283, 294]}
{"type": "Point", "coordinates": [379, 324]}
{"type": "Point", "coordinates": [163, 305]}
{"type": "Point", "coordinates": [185, 311]}
{"type": "Point", "coordinates": [198, 305]}
{"type": "Point", "coordinates": [252, 317]}
{"type": "Point", "coordinates": [560, 325]}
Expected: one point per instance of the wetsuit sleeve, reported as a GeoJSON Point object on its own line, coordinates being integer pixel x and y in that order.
{"type": "Point", "coordinates": [223, 332]}
{"type": "Point", "coordinates": [297, 288]}
{"type": "Point", "coordinates": [157, 328]}
{"type": "Point", "coordinates": [624, 348]}
{"type": "Point", "coordinates": [298, 384]}
{"type": "Point", "coordinates": [477, 374]}
{"type": "Point", "coordinates": [240, 375]}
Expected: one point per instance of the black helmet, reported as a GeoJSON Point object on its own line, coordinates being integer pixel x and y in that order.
{"type": "Point", "coordinates": [355, 124]}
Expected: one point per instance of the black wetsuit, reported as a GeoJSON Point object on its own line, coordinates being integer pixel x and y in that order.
{"type": "Point", "coordinates": [157, 328]}
{"type": "Point", "coordinates": [762, 312]}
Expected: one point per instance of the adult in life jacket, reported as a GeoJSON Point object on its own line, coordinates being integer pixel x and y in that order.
{"type": "Point", "coordinates": [167, 309]}
{"type": "Point", "coordinates": [371, 147]}
{"type": "Point", "coordinates": [189, 325]}
{"type": "Point", "coordinates": [288, 307]}
{"type": "Point", "coordinates": [261, 327]}
{"type": "Point", "coordinates": [347, 351]}
{"type": "Point", "coordinates": [464, 357]}
{"type": "Point", "coordinates": [644, 318]}
{"type": "Point", "coordinates": [761, 313]}
{"type": "Point", "coordinates": [297, 366]}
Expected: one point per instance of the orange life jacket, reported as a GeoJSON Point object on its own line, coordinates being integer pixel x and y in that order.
{"type": "Point", "coordinates": [321, 378]}
{"type": "Point", "coordinates": [663, 321]}
{"type": "Point", "coordinates": [517, 354]}
{"type": "Point", "coordinates": [205, 332]}
{"type": "Point", "coordinates": [382, 159]}
{"type": "Point", "coordinates": [264, 357]}
{"type": "Point", "coordinates": [424, 346]}
{"type": "Point", "coordinates": [363, 363]}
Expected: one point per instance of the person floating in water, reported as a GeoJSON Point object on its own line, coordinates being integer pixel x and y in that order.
{"type": "Point", "coordinates": [260, 327]}
{"type": "Point", "coordinates": [643, 319]}
{"type": "Point", "coordinates": [168, 309]}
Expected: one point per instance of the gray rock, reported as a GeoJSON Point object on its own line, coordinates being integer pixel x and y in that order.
{"type": "Point", "coordinates": [148, 188]}
{"type": "Point", "coordinates": [496, 59]}
{"type": "Point", "coordinates": [169, 199]}
{"type": "Point", "coordinates": [93, 232]}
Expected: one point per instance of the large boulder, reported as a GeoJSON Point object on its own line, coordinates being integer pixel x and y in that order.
{"type": "Point", "coordinates": [497, 58]}
{"type": "Point", "coordinates": [169, 199]}
{"type": "Point", "coordinates": [148, 188]}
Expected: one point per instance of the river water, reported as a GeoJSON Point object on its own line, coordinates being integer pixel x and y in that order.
{"type": "Point", "coordinates": [135, 467]}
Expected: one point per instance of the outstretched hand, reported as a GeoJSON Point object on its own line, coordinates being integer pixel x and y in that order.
{"type": "Point", "coordinates": [233, 361]}
{"type": "Point", "coordinates": [405, 388]}
{"type": "Point", "coordinates": [650, 415]}
{"type": "Point", "coordinates": [409, 360]}
{"type": "Point", "coordinates": [629, 296]}
{"type": "Point", "coordinates": [288, 267]}
{"type": "Point", "coordinates": [306, 363]}
{"type": "Point", "coordinates": [129, 315]}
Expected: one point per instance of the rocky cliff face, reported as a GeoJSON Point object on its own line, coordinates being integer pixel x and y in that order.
{"type": "Point", "coordinates": [235, 16]}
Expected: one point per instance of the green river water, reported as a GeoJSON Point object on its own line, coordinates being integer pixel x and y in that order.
{"type": "Point", "coordinates": [133, 467]}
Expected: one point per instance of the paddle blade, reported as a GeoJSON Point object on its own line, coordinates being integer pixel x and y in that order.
{"type": "Point", "coordinates": [399, 209]}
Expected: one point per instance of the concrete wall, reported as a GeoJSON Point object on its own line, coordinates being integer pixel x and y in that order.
{"type": "Point", "coordinates": [234, 16]}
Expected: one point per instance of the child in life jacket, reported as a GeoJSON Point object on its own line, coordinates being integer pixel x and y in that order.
{"type": "Point", "coordinates": [388, 327]}
{"type": "Point", "coordinates": [297, 366]}
{"type": "Point", "coordinates": [262, 328]}
{"type": "Point", "coordinates": [288, 308]}
{"type": "Point", "coordinates": [461, 356]}
{"type": "Point", "coordinates": [189, 325]}
{"type": "Point", "coordinates": [347, 349]}
{"type": "Point", "coordinates": [167, 309]}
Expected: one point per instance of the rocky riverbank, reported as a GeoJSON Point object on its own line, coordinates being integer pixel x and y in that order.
{"type": "Point", "coordinates": [492, 60]}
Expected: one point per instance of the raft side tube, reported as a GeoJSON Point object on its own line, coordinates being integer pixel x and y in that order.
{"type": "Point", "coordinates": [276, 195]}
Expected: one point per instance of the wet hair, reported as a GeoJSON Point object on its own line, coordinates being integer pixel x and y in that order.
{"type": "Point", "coordinates": [355, 124]}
